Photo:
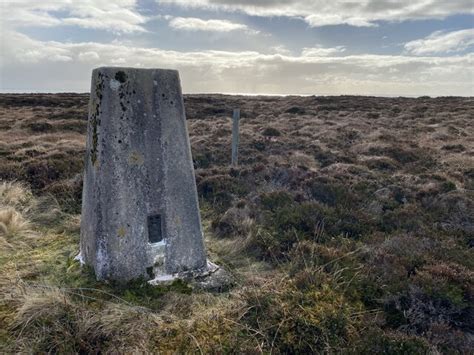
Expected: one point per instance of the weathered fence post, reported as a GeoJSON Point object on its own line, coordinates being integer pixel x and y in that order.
{"type": "Point", "coordinates": [235, 136]}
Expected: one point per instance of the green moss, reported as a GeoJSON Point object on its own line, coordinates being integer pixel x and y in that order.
{"type": "Point", "coordinates": [140, 293]}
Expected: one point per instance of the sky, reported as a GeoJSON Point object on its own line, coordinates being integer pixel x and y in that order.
{"type": "Point", "coordinates": [298, 47]}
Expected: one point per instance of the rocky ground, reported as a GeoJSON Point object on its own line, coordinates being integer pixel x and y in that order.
{"type": "Point", "coordinates": [348, 227]}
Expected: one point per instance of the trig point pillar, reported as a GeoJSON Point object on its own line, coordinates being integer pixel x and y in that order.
{"type": "Point", "coordinates": [140, 213]}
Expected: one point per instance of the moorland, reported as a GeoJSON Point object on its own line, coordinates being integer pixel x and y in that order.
{"type": "Point", "coordinates": [348, 227]}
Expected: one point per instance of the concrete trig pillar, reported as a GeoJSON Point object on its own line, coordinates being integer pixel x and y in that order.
{"type": "Point", "coordinates": [140, 213]}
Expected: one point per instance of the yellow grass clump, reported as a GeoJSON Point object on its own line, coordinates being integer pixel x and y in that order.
{"type": "Point", "coordinates": [15, 227]}
{"type": "Point", "coordinates": [14, 194]}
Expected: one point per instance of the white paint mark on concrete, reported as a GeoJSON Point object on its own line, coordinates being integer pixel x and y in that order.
{"type": "Point", "coordinates": [114, 84]}
{"type": "Point", "coordinates": [163, 279]}
{"type": "Point", "coordinates": [79, 258]}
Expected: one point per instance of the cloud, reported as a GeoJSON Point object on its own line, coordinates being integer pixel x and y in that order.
{"type": "Point", "coordinates": [321, 51]}
{"type": "Point", "coordinates": [322, 12]}
{"type": "Point", "coordinates": [197, 24]}
{"type": "Point", "coordinates": [89, 56]}
{"type": "Point", "coordinates": [114, 16]}
{"type": "Point", "coordinates": [27, 65]}
{"type": "Point", "coordinates": [319, 20]}
{"type": "Point", "coordinates": [442, 42]}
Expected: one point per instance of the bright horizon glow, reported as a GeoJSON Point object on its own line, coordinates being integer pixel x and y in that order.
{"type": "Point", "coordinates": [6, 91]}
{"type": "Point", "coordinates": [268, 47]}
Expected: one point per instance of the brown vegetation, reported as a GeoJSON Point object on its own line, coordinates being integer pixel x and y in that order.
{"type": "Point", "coordinates": [349, 226]}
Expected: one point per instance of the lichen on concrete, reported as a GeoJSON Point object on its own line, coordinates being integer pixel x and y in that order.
{"type": "Point", "coordinates": [138, 136]}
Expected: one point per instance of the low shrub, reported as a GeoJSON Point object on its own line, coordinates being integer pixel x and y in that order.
{"type": "Point", "coordinates": [382, 164]}
{"type": "Point", "coordinates": [221, 189]}
{"type": "Point", "coordinates": [438, 296]}
{"type": "Point", "coordinates": [399, 154]}
{"type": "Point", "coordinates": [295, 321]}
{"type": "Point", "coordinates": [296, 110]}
{"type": "Point", "coordinates": [40, 126]}
{"type": "Point", "coordinates": [375, 341]}
{"type": "Point", "coordinates": [455, 148]}
{"type": "Point", "coordinates": [59, 166]}
{"type": "Point", "coordinates": [68, 193]}
{"type": "Point", "coordinates": [234, 222]}
{"type": "Point", "coordinates": [79, 126]}
{"type": "Point", "coordinates": [271, 132]}
{"type": "Point", "coordinates": [287, 221]}
{"type": "Point", "coordinates": [373, 115]}
{"type": "Point", "coordinates": [409, 217]}
{"type": "Point", "coordinates": [331, 193]}
{"type": "Point", "coordinates": [203, 160]}
{"type": "Point", "coordinates": [275, 200]}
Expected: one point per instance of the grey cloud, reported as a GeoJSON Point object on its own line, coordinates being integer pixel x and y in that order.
{"type": "Point", "coordinates": [113, 16]}
{"type": "Point", "coordinates": [258, 3]}
{"type": "Point", "coordinates": [357, 13]}
{"type": "Point", "coordinates": [245, 72]}
{"type": "Point", "coordinates": [442, 42]}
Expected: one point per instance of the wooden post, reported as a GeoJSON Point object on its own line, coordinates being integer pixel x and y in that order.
{"type": "Point", "coordinates": [235, 136]}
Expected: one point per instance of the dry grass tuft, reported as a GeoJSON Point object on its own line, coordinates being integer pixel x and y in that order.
{"type": "Point", "coordinates": [13, 223]}
{"type": "Point", "coordinates": [55, 320]}
{"type": "Point", "coordinates": [52, 320]}
{"type": "Point", "coordinates": [15, 228]}
{"type": "Point", "coordinates": [14, 194]}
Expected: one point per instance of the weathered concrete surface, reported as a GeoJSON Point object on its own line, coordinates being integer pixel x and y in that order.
{"type": "Point", "coordinates": [140, 213]}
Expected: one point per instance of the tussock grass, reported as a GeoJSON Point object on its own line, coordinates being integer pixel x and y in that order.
{"type": "Point", "coordinates": [15, 228]}
{"type": "Point", "coordinates": [347, 227]}
{"type": "Point", "coordinates": [50, 319]}
{"type": "Point", "coordinates": [14, 194]}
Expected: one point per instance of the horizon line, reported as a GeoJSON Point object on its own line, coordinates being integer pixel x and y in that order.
{"type": "Point", "coordinates": [20, 92]}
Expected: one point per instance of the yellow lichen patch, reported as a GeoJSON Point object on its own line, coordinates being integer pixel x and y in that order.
{"type": "Point", "coordinates": [121, 232]}
{"type": "Point", "coordinates": [135, 158]}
